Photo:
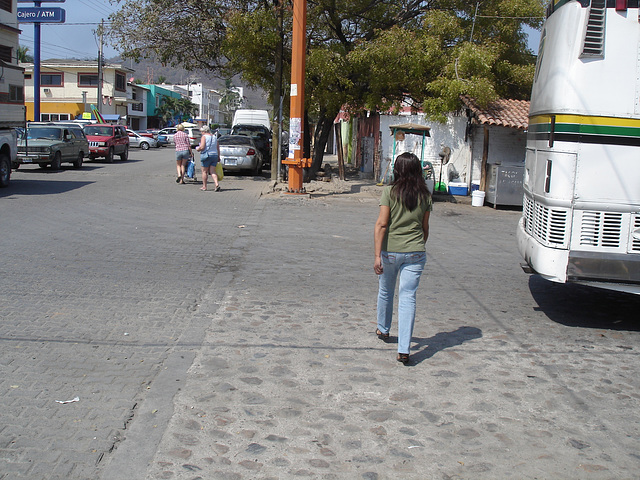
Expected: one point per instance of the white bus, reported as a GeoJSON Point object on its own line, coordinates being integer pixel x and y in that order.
{"type": "Point", "coordinates": [581, 208]}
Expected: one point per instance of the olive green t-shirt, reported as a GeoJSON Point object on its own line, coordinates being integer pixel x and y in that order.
{"type": "Point", "coordinates": [404, 233]}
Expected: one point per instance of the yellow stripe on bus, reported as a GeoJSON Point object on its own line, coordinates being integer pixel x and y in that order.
{"type": "Point", "coordinates": [586, 120]}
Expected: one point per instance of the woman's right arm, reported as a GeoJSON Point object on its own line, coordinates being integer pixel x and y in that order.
{"type": "Point", "coordinates": [379, 232]}
{"type": "Point", "coordinates": [202, 145]}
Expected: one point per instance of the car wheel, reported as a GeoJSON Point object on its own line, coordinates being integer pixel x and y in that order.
{"type": "Point", "coordinates": [43, 165]}
{"type": "Point", "coordinates": [144, 146]}
{"type": "Point", "coordinates": [78, 162]}
{"type": "Point", "coordinates": [258, 170]}
{"type": "Point", "coordinates": [124, 156]}
{"type": "Point", "coordinates": [15, 166]}
{"type": "Point", "coordinates": [109, 156]}
{"type": "Point", "coordinates": [5, 171]}
{"type": "Point", "coordinates": [56, 164]}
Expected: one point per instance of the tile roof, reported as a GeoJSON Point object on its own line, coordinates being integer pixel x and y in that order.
{"type": "Point", "coordinates": [502, 112]}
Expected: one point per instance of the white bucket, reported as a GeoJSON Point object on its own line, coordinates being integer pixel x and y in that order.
{"type": "Point", "coordinates": [477, 198]}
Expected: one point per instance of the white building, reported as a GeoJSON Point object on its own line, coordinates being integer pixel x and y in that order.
{"type": "Point", "coordinates": [137, 111]}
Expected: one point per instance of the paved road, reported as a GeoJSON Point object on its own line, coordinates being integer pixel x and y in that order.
{"type": "Point", "coordinates": [102, 270]}
{"type": "Point", "coordinates": [199, 349]}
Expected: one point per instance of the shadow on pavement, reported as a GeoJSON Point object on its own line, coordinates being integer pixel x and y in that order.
{"type": "Point", "coordinates": [441, 341]}
{"type": "Point", "coordinates": [40, 187]}
{"type": "Point", "coordinates": [588, 307]}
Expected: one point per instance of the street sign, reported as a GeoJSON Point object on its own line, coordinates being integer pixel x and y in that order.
{"type": "Point", "coordinates": [41, 15]}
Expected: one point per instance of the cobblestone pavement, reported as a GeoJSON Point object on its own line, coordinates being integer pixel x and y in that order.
{"type": "Point", "coordinates": [510, 376]}
{"type": "Point", "coordinates": [250, 351]}
{"type": "Point", "coordinates": [102, 272]}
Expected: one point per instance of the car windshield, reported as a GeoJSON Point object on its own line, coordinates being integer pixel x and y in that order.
{"type": "Point", "coordinates": [44, 132]}
{"type": "Point", "coordinates": [234, 140]}
{"type": "Point", "coordinates": [103, 131]}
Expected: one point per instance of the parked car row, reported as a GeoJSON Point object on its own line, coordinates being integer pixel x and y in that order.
{"type": "Point", "coordinates": [246, 149]}
{"type": "Point", "coordinates": [55, 143]}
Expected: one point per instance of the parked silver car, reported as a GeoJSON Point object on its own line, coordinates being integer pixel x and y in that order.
{"type": "Point", "coordinates": [240, 153]}
{"type": "Point", "coordinates": [168, 132]}
{"type": "Point", "coordinates": [136, 140]}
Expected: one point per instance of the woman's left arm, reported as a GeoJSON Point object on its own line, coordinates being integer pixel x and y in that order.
{"type": "Point", "coordinates": [425, 225]}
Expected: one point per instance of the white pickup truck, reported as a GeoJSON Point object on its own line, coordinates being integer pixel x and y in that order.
{"type": "Point", "coordinates": [12, 116]}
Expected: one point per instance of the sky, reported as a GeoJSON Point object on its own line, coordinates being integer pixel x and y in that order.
{"type": "Point", "coordinates": [76, 37]}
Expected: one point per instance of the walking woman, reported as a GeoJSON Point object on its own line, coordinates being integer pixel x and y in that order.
{"type": "Point", "coordinates": [399, 238]}
{"type": "Point", "coordinates": [183, 152]}
{"type": "Point", "coordinates": [209, 155]}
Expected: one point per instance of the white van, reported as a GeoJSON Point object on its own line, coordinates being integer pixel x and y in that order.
{"type": "Point", "coordinates": [252, 117]}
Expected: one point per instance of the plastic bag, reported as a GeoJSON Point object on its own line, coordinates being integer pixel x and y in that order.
{"type": "Point", "coordinates": [219, 171]}
{"type": "Point", "coordinates": [191, 168]}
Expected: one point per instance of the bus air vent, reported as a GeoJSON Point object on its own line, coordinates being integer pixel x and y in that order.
{"type": "Point", "coordinates": [635, 234]}
{"type": "Point", "coordinates": [601, 229]}
{"type": "Point", "coordinates": [594, 34]}
{"type": "Point", "coordinates": [550, 226]}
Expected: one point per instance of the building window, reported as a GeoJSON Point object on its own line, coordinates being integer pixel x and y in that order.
{"type": "Point", "coordinates": [134, 95]}
{"type": "Point", "coordinates": [138, 107]}
{"type": "Point", "coordinates": [5, 53]}
{"type": "Point", "coordinates": [6, 5]}
{"type": "Point", "coordinates": [50, 79]}
{"type": "Point", "coordinates": [87, 79]}
{"type": "Point", "coordinates": [121, 82]}
{"type": "Point", "coordinates": [16, 93]}
{"type": "Point", "coordinates": [54, 117]}
{"type": "Point", "coordinates": [27, 76]}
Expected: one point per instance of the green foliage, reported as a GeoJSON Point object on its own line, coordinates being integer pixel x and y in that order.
{"type": "Point", "coordinates": [23, 55]}
{"type": "Point", "coordinates": [366, 54]}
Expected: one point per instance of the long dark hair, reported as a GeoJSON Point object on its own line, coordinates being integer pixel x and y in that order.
{"type": "Point", "coordinates": [408, 183]}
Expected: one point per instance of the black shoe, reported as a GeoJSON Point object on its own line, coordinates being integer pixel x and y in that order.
{"type": "Point", "coordinates": [403, 357]}
{"type": "Point", "coordinates": [382, 336]}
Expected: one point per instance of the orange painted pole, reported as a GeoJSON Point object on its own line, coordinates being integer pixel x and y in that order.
{"type": "Point", "coordinates": [295, 158]}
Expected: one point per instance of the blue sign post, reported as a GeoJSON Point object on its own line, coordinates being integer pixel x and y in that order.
{"type": "Point", "coordinates": [38, 15]}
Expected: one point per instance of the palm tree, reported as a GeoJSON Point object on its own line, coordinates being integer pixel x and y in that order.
{"type": "Point", "coordinates": [168, 109]}
{"type": "Point", "coordinates": [187, 108]}
{"type": "Point", "coordinates": [22, 53]}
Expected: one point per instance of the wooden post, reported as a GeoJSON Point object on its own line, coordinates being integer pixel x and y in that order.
{"type": "Point", "coordinates": [485, 156]}
{"type": "Point", "coordinates": [338, 131]}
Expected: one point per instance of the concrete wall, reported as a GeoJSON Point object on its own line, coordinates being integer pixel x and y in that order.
{"type": "Point", "coordinates": [450, 134]}
{"type": "Point", "coordinates": [506, 147]}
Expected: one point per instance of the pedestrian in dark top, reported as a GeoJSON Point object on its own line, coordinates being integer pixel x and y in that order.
{"type": "Point", "coordinates": [400, 234]}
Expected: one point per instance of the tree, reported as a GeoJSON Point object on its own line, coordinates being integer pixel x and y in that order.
{"type": "Point", "coordinates": [23, 55]}
{"type": "Point", "coordinates": [230, 100]}
{"type": "Point", "coordinates": [365, 54]}
{"type": "Point", "coordinates": [177, 109]}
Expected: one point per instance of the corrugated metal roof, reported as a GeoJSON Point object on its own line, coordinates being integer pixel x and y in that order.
{"type": "Point", "coordinates": [503, 112]}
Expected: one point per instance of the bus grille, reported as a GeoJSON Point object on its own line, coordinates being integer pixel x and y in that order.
{"type": "Point", "coordinates": [635, 240]}
{"type": "Point", "coordinates": [546, 225]}
{"type": "Point", "coordinates": [594, 35]}
{"type": "Point", "coordinates": [601, 229]}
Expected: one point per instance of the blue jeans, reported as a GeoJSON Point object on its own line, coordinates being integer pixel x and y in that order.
{"type": "Point", "coordinates": [410, 267]}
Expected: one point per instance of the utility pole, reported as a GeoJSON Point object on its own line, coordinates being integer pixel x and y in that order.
{"type": "Point", "coordinates": [295, 159]}
{"type": "Point", "coordinates": [276, 136]}
{"type": "Point", "coordinates": [100, 69]}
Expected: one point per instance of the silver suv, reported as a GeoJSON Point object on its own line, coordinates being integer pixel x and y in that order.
{"type": "Point", "coordinates": [52, 144]}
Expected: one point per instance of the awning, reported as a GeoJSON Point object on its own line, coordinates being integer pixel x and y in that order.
{"type": "Point", "coordinates": [110, 118]}
{"type": "Point", "coordinates": [414, 128]}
